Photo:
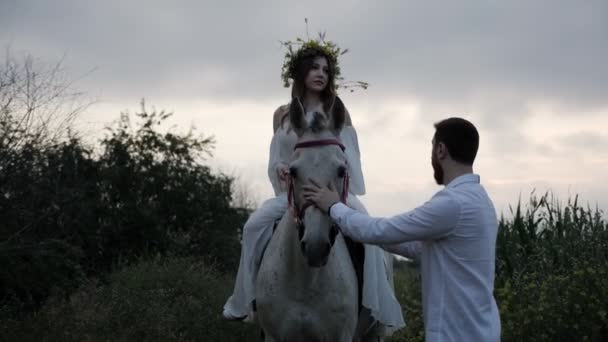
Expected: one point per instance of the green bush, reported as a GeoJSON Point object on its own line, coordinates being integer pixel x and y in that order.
{"type": "Point", "coordinates": [167, 299]}
{"type": "Point", "coordinates": [46, 196]}
{"type": "Point", "coordinates": [68, 213]}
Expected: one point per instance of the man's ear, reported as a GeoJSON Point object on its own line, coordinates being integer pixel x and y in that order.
{"type": "Point", "coordinates": [441, 150]}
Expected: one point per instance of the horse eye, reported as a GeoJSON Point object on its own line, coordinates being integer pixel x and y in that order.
{"type": "Point", "coordinates": [293, 172]}
{"type": "Point", "coordinates": [341, 171]}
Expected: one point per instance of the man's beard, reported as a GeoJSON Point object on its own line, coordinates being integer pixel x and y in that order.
{"type": "Point", "coordinates": [437, 171]}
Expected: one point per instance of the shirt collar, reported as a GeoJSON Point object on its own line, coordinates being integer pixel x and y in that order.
{"type": "Point", "coordinates": [466, 178]}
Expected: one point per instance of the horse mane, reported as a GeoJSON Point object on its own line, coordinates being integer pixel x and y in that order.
{"type": "Point", "coordinates": [319, 122]}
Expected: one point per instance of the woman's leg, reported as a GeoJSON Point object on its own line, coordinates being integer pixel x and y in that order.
{"type": "Point", "coordinates": [256, 235]}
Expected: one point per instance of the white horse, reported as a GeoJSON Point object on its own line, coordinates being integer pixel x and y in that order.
{"type": "Point", "coordinates": [307, 286]}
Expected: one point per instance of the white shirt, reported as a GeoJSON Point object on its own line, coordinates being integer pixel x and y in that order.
{"type": "Point", "coordinates": [454, 235]}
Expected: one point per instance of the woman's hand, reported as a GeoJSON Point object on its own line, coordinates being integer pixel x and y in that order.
{"type": "Point", "coordinates": [283, 172]}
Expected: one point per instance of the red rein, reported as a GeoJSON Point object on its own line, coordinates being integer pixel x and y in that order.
{"type": "Point", "coordinates": [298, 214]}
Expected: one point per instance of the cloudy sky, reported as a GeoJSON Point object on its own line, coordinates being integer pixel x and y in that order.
{"type": "Point", "coordinates": [532, 76]}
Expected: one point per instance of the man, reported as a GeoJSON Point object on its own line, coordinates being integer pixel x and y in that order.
{"type": "Point", "coordinates": [453, 235]}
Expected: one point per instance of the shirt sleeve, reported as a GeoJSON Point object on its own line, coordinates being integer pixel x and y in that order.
{"type": "Point", "coordinates": [434, 219]}
{"type": "Point", "coordinates": [411, 249]}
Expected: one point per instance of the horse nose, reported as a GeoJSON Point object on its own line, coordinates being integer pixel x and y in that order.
{"type": "Point", "coordinates": [322, 251]}
{"type": "Point", "coordinates": [316, 257]}
{"type": "Point", "coordinates": [325, 250]}
{"type": "Point", "coordinates": [323, 255]}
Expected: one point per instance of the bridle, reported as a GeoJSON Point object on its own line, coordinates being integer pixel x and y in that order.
{"type": "Point", "coordinates": [298, 213]}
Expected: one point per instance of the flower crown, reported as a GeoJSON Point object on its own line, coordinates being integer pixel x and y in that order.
{"type": "Point", "coordinates": [315, 47]}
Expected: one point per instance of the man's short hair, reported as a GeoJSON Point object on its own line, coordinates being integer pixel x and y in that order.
{"type": "Point", "coordinates": [460, 138]}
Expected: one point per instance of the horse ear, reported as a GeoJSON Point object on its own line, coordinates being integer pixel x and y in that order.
{"type": "Point", "coordinates": [296, 116]}
{"type": "Point", "coordinates": [338, 116]}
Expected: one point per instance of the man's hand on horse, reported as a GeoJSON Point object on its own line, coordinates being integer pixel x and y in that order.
{"type": "Point", "coordinates": [323, 197]}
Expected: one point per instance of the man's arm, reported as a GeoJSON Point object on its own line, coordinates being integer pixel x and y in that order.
{"type": "Point", "coordinates": [434, 219]}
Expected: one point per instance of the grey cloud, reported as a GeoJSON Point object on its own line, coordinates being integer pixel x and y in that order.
{"type": "Point", "coordinates": [486, 60]}
{"type": "Point", "coordinates": [435, 51]}
{"type": "Point", "coordinates": [586, 142]}
{"type": "Point", "coordinates": [138, 47]}
{"type": "Point", "coordinates": [541, 49]}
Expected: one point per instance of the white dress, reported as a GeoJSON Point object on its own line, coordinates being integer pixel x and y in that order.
{"type": "Point", "coordinates": [377, 295]}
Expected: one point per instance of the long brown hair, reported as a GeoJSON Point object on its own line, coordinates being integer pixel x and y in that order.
{"type": "Point", "coordinates": [298, 89]}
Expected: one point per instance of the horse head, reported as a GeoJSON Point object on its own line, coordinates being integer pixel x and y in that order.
{"type": "Point", "coordinates": [319, 156]}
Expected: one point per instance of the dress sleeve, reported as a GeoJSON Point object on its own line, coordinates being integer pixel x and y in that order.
{"type": "Point", "coordinates": [274, 155]}
{"type": "Point", "coordinates": [274, 163]}
{"type": "Point", "coordinates": [348, 136]}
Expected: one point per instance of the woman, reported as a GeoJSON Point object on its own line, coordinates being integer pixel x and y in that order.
{"type": "Point", "coordinates": [313, 69]}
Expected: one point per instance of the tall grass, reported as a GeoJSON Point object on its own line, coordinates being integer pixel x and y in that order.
{"type": "Point", "coordinates": [409, 295]}
{"type": "Point", "coordinates": [552, 272]}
